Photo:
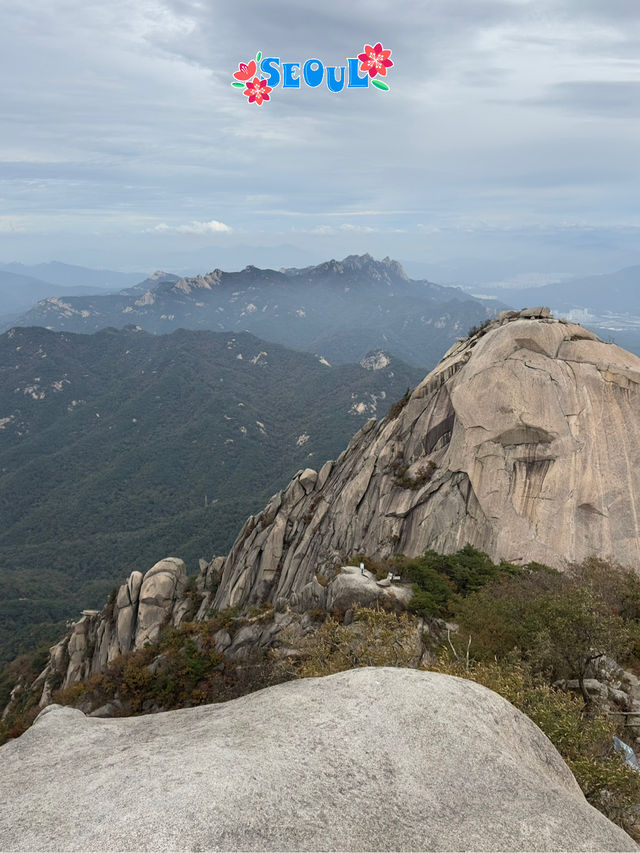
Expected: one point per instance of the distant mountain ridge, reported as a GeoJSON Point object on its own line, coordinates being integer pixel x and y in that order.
{"type": "Point", "coordinates": [595, 299]}
{"type": "Point", "coordinates": [21, 286]}
{"type": "Point", "coordinates": [338, 309]}
{"type": "Point", "coordinates": [71, 275]}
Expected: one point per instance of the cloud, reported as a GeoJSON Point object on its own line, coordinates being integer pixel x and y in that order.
{"type": "Point", "coordinates": [211, 227]}
{"type": "Point", "coordinates": [595, 97]}
{"type": "Point", "coordinates": [12, 225]}
{"type": "Point", "coordinates": [345, 227]}
{"type": "Point", "coordinates": [519, 111]}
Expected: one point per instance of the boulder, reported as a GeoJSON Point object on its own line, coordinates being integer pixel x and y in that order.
{"type": "Point", "coordinates": [619, 697]}
{"type": "Point", "coordinates": [221, 640]}
{"type": "Point", "coordinates": [351, 589]}
{"type": "Point", "coordinates": [505, 316]}
{"type": "Point", "coordinates": [531, 313]}
{"type": "Point", "coordinates": [312, 596]}
{"type": "Point", "coordinates": [161, 588]}
{"type": "Point", "coordinates": [308, 479]}
{"type": "Point", "coordinates": [370, 759]}
{"type": "Point", "coordinates": [592, 686]}
{"type": "Point", "coordinates": [109, 709]}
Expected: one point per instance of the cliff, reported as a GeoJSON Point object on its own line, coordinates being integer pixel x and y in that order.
{"type": "Point", "coordinates": [523, 442]}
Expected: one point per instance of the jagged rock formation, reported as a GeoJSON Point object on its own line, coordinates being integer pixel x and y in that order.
{"type": "Point", "coordinates": [371, 759]}
{"type": "Point", "coordinates": [522, 442]}
{"type": "Point", "coordinates": [144, 605]}
{"type": "Point", "coordinates": [141, 607]}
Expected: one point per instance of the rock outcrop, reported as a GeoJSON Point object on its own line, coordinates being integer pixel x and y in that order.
{"type": "Point", "coordinates": [134, 617]}
{"type": "Point", "coordinates": [144, 605]}
{"type": "Point", "coordinates": [371, 759]}
{"type": "Point", "coordinates": [524, 442]}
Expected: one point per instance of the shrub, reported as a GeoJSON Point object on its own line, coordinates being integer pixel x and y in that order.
{"type": "Point", "coordinates": [440, 579]}
{"type": "Point", "coordinates": [560, 624]}
{"type": "Point", "coordinates": [476, 330]}
{"type": "Point", "coordinates": [374, 638]}
{"type": "Point", "coordinates": [421, 477]}
{"type": "Point", "coordinates": [399, 405]}
{"type": "Point", "coordinates": [379, 568]}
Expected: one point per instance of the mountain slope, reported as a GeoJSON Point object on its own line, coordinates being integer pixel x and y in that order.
{"type": "Point", "coordinates": [340, 310]}
{"type": "Point", "coordinates": [118, 445]}
{"type": "Point", "coordinates": [18, 292]}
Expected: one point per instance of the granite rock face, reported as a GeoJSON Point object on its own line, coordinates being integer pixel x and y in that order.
{"type": "Point", "coordinates": [161, 590]}
{"type": "Point", "coordinates": [524, 441]}
{"type": "Point", "coordinates": [370, 759]}
{"type": "Point", "coordinates": [142, 606]}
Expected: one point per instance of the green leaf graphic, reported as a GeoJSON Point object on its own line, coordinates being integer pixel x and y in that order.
{"type": "Point", "coordinates": [258, 56]}
{"type": "Point", "coordinates": [380, 85]}
{"type": "Point", "coordinates": [238, 85]}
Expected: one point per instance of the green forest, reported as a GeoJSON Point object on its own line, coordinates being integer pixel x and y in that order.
{"type": "Point", "coordinates": [121, 448]}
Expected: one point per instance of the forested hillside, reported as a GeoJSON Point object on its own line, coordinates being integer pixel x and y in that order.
{"type": "Point", "coordinates": [119, 448]}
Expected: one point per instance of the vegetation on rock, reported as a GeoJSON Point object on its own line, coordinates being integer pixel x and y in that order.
{"type": "Point", "coordinates": [585, 741]}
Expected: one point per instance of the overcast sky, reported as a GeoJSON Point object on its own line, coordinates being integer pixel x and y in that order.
{"type": "Point", "coordinates": [506, 148]}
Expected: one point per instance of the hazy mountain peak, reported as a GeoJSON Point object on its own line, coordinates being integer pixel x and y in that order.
{"type": "Point", "coordinates": [353, 265]}
{"type": "Point", "coordinates": [342, 309]}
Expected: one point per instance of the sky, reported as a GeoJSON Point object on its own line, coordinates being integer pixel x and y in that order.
{"type": "Point", "coordinates": [506, 149]}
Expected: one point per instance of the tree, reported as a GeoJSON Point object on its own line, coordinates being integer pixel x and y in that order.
{"type": "Point", "coordinates": [580, 630]}
{"type": "Point", "coordinates": [560, 623]}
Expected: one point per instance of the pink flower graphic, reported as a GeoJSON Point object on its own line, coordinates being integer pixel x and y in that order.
{"type": "Point", "coordinates": [246, 72]}
{"type": "Point", "coordinates": [257, 91]}
{"type": "Point", "coordinates": [375, 60]}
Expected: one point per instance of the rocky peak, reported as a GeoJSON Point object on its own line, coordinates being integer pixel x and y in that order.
{"type": "Point", "coordinates": [355, 268]}
{"type": "Point", "coordinates": [386, 266]}
{"type": "Point", "coordinates": [520, 442]}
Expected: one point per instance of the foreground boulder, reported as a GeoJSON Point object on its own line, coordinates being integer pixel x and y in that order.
{"type": "Point", "coordinates": [370, 759]}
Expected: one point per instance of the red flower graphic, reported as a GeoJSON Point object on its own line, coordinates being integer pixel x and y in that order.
{"type": "Point", "coordinates": [257, 91]}
{"type": "Point", "coordinates": [375, 60]}
{"type": "Point", "coordinates": [246, 72]}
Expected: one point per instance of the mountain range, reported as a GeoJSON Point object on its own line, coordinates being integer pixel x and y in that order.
{"type": "Point", "coordinates": [338, 309]}
{"type": "Point", "coordinates": [121, 443]}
